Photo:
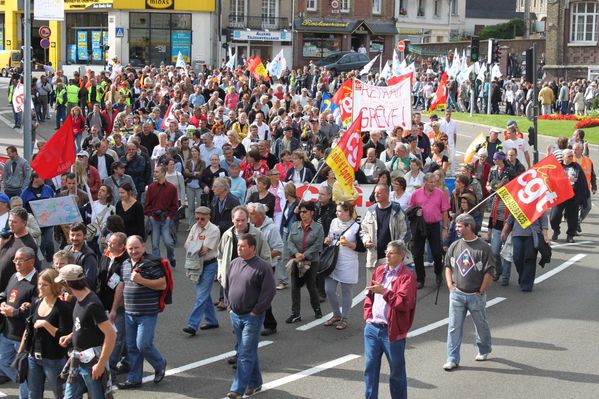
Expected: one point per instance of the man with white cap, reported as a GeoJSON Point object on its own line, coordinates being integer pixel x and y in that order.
{"type": "Point", "coordinates": [450, 128]}
{"type": "Point", "coordinates": [492, 144]}
{"type": "Point", "coordinates": [93, 338]}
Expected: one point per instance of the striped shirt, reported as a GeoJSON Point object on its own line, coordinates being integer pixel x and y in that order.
{"type": "Point", "coordinates": [141, 300]}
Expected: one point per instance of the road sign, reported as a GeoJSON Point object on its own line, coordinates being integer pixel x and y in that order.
{"type": "Point", "coordinates": [45, 43]}
{"type": "Point", "coordinates": [401, 46]}
{"type": "Point", "coordinates": [44, 31]}
{"type": "Point", "coordinates": [120, 31]}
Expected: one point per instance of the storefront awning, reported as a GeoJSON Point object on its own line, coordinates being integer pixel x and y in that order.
{"type": "Point", "coordinates": [321, 25]}
{"type": "Point", "coordinates": [381, 27]}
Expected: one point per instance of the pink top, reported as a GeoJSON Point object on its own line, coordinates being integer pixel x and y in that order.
{"type": "Point", "coordinates": [433, 205]}
{"type": "Point", "coordinates": [231, 100]}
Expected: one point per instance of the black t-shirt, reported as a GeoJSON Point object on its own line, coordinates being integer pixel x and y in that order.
{"type": "Point", "coordinates": [110, 274]}
{"type": "Point", "coordinates": [87, 314]}
{"type": "Point", "coordinates": [383, 234]}
{"type": "Point", "coordinates": [7, 254]}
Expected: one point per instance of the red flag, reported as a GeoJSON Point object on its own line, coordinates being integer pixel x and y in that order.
{"type": "Point", "coordinates": [345, 157]}
{"type": "Point", "coordinates": [441, 94]}
{"type": "Point", "coordinates": [58, 154]}
{"type": "Point", "coordinates": [250, 58]}
{"type": "Point", "coordinates": [541, 187]}
{"type": "Point", "coordinates": [343, 99]}
{"type": "Point", "coordinates": [397, 79]}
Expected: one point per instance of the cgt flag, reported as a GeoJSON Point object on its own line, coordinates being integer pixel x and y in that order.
{"type": "Point", "coordinates": [256, 67]}
{"type": "Point", "coordinates": [344, 100]}
{"type": "Point", "coordinates": [541, 187]}
{"type": "Point", "coordinates": [345, 157]}
{"type": "Point", "coordinates": [58, 154]}
{"type": "Point", "coordinates": [440, 97]}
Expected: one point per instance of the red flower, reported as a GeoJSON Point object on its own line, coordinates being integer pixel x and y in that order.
{"type": "Point", "coordinates": [586, 123]}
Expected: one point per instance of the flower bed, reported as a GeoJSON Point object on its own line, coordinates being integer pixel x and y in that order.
{"type": "Point", "coordinates": [556, 117]}
{"type": "Point", "coordinates": [586, 123]}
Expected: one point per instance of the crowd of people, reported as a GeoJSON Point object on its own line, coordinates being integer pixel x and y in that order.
{"type": "Point", "coordinates": [224, 157]}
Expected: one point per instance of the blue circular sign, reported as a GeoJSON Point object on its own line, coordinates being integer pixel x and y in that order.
{"type": "Point", "coordinates": [45, 43]}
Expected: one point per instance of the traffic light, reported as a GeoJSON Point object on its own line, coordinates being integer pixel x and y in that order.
{"type": "Point", "coordinates": [530, 64]}
{"type": "Point", "coordinates": [495, 51]}
{"type": "Point", "coordinates": [474, 48]}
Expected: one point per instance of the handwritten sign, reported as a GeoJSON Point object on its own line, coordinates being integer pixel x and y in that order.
{"type": "Point", "coordinates": [55, 211]}
{"type": "Point", "coordinates": [383, 107]}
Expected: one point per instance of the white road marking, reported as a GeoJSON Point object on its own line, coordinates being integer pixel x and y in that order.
{"type": "Point", "coordinates": [570, 244]}
{"type": "Point", "coordinates": [203, 362]}
{"type": "Point", "coordinates": [357, 299]}
{"type": "Point", "coordinates": [440, 323]}
{"type": "Point", "coordinates": [560, 268]}
{"type": "Point", "coordinates": [308, 372]}
{"type": "Point", "coordinates": [3, 395]}
{"type": "Point", "coordinates": [8, 123]}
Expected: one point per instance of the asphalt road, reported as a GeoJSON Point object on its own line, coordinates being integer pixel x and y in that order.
{"type": "Point", "coordinates": [544, 342]}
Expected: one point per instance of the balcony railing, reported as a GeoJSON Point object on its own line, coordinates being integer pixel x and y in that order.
{"type": "Point", "coordinates": [257, 22]}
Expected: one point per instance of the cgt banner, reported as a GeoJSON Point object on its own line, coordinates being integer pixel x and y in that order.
{"type": "Point", "coordinates": [384, 107]}
{"type": "Point", "coordinates": [541, 187]}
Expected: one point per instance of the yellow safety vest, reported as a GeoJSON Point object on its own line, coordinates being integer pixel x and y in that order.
{"type": "Point", "coordinates": [60, 97]}
{"type": "Point", "coordinates": [587, 167]}
{"type": "Point", "coordinates": [72, 94]}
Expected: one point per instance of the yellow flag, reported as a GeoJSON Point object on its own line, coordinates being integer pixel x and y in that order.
{"type": "Point", "coordinates": [471, 150]}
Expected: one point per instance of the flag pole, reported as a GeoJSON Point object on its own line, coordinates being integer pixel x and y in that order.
{"type": "Point", "coordinates": [318, 171]}
{"type": "Point", "coordinates": [482, 202]}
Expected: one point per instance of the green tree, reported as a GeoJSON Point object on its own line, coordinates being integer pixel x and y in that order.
{"type": "Point", "coordinates": [508, 30]}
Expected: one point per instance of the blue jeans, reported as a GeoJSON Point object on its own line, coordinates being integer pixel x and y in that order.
{"type": "Point", "coordinates": [42, 370]}
{"type": "Point", "coordinates": [376, 342]}
{"type": "Point", "coordinates": [459, 304]}
{"type": "Point", "coordinates": [18, 116]}
{"type": "Point", "coordinates": [61, 115]}
{"type": "Point", "coordinates": [203, 306]}
{"type": "Point", "coordinates": [119, 345]}
{"type": "Point", "coordinates": [84, 381]}
{"type": "Point", "coordinates": [8, 351]}
{"type": "Point", "coordinates": [525, 260]}
{"type": "Point", "coordinates": [502, 266]}
{"type": "Point", "coordinates": [139, 331]}
{"type": "Point", "coordinates": [163, 229]}
{"type": "Point", "coordinates": [247, 330]}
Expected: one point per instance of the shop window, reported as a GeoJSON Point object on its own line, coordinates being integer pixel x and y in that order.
{"type": "Point", "coordinates": [156, 38]}
{"type": "Point", "coordinates": [583, 22]}
{"type": "Point", "coordinates": [320, 45]}
{"type": "Point", "coordinates": [377, 44]}
{"type": "Point", "coordinates": [311, 5]}
{"type": "Point", "coordinates": [87, 38]}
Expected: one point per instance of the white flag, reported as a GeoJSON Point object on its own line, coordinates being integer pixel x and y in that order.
{"type": "Point", "coordinates": [495, 72]}
{"type": "Point", "coordinates": [482, 72]}
{"type": "Point", "coordinates": [456, 66]}
{"type": "Point", "coordinates": [396, 65]}
{"type": "Point", "coordinates": [232, 58]}
{"type": "Point", "coordinates": [386, 71]}
{"type": "Point", "coordinates": [180, 61]}
{"type": "Point", "coordinates": [277, 66]}
{"type": "Point", "coordinates": [368, 66]}
{"type": "Point", "coordinates": [410, 68]}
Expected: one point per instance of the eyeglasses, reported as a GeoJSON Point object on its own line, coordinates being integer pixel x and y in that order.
{"type": "Point", "coordinates": [303, 211]}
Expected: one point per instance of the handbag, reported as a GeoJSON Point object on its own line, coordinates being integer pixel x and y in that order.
{"type": "Point", "coordinates": [21, 360]}
{"type": "Point", "coordinates": [92, 228]}
{"type": "Point", "coordinates": [328, 257]}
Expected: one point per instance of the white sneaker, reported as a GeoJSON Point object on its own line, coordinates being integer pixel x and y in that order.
{"type": "Point", "coordinates": [282, 286]}
{"type": "Point", "coordinates": [450, 366]}
{"type": "Point", "coordinates": [481, 358]}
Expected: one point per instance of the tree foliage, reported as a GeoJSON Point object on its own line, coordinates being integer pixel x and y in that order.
{"type": "Point", "coordinates": [508, 30]}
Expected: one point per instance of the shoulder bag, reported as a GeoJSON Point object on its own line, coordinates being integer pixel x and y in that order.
{"type": "Point", "coordinates": [328, 257]}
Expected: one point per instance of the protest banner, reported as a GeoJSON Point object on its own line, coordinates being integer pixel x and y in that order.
{"type": "Point", "coordinates": [384, 107]}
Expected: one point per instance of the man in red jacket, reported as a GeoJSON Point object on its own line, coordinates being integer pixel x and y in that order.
{"type": "Point", "coordinates": [389, 311]}
{"type": "Point", "coordinates": [161, 206]}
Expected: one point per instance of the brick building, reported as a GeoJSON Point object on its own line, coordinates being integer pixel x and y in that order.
{"type": "Point", "coordinates": [323, 27]}
{"type": "Point", "coordinates": [572, 29]}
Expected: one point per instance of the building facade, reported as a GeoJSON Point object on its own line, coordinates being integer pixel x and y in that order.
{"type": "Point", "coordinates": [257, 27]}
{"type": "Point", "coordinates": [572, 28]}
{"type": "Point", "coordinates": [323, 27]}
{"type": "Point", "coordinates": [539, 7]}
{"type": "Point", "coordinates": [430, 21]}
{"type": "Point", "coordinates": [139, 32]}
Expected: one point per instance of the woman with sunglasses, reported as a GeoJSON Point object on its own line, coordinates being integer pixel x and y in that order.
{"type": "Point", "coordinates": [344, 231]}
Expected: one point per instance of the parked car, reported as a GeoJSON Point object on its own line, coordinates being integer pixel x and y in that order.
{"type": "Point", "coordinates": [10, 61]}
{"type": "Point", "coordinates": [343, 62]}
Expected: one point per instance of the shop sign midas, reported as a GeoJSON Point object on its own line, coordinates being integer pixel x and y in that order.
{"type": "Point", "coordinates": [88, 4]}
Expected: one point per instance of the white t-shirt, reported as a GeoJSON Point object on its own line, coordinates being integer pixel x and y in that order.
{"type": "Point", "coordinates": [521, 146]}
{"type": "Point", "coordinates": [451, 130]}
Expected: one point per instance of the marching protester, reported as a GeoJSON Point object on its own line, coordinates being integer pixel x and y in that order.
{"type": "Point", "coordinates": [469, 268]}
{"type": "Point", "coordinates": [249, 290]}
{"type": "Point", "coordinates": [389, 310]}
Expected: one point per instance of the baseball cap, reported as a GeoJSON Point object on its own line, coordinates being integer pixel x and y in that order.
{"type": "Point", "coordinates": [4, 198]}
{"type": "Point", "coordinates": [83, 154]}
{"type": "Point", "coordinates": [495, 130]}
{"type": "Point", "coordinates": [511, 123]}
{"type": "Point", "coordinates": [500, 156]}
{"type": "Point", "coordinates": [70, 273]}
